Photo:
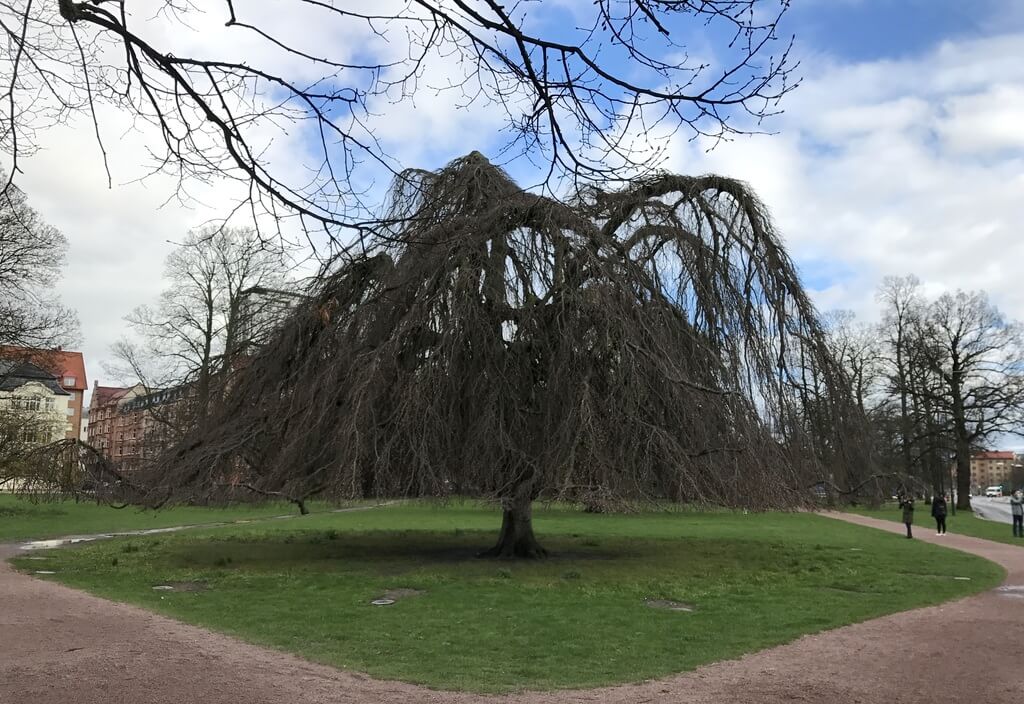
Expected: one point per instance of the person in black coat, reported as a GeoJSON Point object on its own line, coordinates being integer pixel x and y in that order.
{"type": "Point", "coordinates": [907, 504]}
{"type": "Point", "coordinates": [1017, 511]}
{"type": "Point", "coordinates": [939, 514]}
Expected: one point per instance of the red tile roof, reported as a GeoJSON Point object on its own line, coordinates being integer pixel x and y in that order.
{"type": "Point", "coordinates": [102, 395]}
{"type": "Point", "coordinates": [60, 363]}
{"type": "Point", "coordinates": [992, 456]}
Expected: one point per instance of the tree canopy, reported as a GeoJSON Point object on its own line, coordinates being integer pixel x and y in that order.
{"type": "Point", "coordinates": [650, 342]}
{"type": "Point", "coordinates": [31, 261]}
{"type": "Point", "coordinates": [215, 85]}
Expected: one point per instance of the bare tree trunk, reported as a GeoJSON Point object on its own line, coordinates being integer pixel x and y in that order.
{"type": "Point", "coordinates": [963, 476]}
{"type": "Point", "coordinates": [963, 441]}
{"type": "Point", "coordinates": [905, 429]}
{"type": "Point", "coordinates": [516, 538]}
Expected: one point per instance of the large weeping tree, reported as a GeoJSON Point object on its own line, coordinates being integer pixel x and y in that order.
{"type": "Point", "coordinates": [646, 342]}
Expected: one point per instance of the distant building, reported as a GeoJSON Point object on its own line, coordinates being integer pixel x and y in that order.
{"type": "Point", "coordinates": [991, 469]}
{"type": "Point", "coordinates": [106, 424]}
{"type": "Point", "coordinates": [128, 424]}
{"type": "Point", "coordinates": [33, 402]}
{"type": "Point", "coordinates": [69, 370]}
{"type": "Point", "coordinates": [33, 412]}
{"type": "Point", "coordinates": [148, 424]}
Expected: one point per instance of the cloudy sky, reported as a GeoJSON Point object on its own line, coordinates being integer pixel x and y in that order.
{"type": "Point", "coordinates": [901, 152]}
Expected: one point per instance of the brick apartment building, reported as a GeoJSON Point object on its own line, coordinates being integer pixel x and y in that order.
{"type": "Point", "coordinates": [106, 424]}
{"type": "Point", "coordinates": [991, 469]}
{"type": "Point", "coordinates": [69, 369]}
{"type": "Point", "coordinates": [129, 424]}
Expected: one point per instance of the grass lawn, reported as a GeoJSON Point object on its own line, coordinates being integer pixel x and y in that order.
{"type": "Point", "coordinates": [20, 518]}
{"type": "Point", "coordinates": [578, 619]}
{"type": "Point", "coordinates": [964, 522]}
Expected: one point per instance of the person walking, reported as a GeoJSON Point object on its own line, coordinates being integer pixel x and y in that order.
{"type": "Point", "coordinates": [1017, 509]}
{"type": "Point", "coordinates": [939, 514]}
{"type": "Point", "coordinates": [907, 504]}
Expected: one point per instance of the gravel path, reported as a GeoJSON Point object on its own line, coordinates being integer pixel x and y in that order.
{"type": "Point", "coordinates": [58, 646]}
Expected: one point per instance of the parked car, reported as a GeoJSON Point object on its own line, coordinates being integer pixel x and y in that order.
{"type": "Point", "coordinates": [994, 491]}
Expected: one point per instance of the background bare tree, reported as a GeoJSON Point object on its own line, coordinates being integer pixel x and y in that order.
{"type": "Point", "coordinates": [977, 357]}
{"type": "Point", "coordinates": [31, 259]}
{"type": "Point", "coordinates": [506, 345]}
{"type": "Point", "coordinates": [588, 97]}
{"type": "Point", "coordinates": [954, 372]}
{"type": "Point", "coordinates": [860, 349]}
{"type": "Point", "coordinates": [32, 320]}
{"type": "Point", "coordinates": [857, 348]}
{"type": "Point", "coordinates": [901, 310]}
{"type": "Point", "coordinates": [209, 317]}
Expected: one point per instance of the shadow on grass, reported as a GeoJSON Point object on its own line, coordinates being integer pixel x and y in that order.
{"type": "Point", "coordinates": [385, 549]}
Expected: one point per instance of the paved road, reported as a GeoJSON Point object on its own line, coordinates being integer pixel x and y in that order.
{"type": "Point", "coordinates": [997, 510]}
{"type": "Point", "coordinates": [59, 645]}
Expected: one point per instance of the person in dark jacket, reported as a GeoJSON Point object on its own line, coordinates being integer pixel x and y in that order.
{"type": "Point", "coordinates": [1017, 509]}
{"type": "Point", "coordinates": [939, 514]}
{"type": "Point", "coordinates": [907, 504]}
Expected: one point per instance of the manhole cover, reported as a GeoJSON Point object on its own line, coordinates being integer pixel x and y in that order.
{"type": "Point", "coordinates": [669, 605]}
{"type": "Point", "coordinates": [45, 572]}
{"type": "Point", "coordinates": [185, 586]}
{"type": "Point", "coordinates": [37, 557]}
{"type": "Point", "coordinates": [857, 549]}
{"type": "Point", "coordinates": [382, 602]}
{"type": "Point", "coordinates": [963, 579]}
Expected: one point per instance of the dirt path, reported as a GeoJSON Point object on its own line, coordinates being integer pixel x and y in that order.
{"type": "Point", "coordinates": [59, 646]}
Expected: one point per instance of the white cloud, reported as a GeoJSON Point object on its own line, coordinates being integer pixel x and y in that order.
{"type": "Point", "coordinates": [985, 123]}
{"type": "Point", "coordinates": [894, 167]}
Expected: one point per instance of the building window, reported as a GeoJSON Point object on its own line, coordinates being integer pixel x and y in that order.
{"type": "Point", "coordinates": [36, 435]}
{"type": "Point", "coordinates": [69, 381]}
{"type": "Point", "coordinates": [26, 403]}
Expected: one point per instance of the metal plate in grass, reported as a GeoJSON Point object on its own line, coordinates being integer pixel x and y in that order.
{"type": "Point", "coordinates": [45, 572]}
{"type": "Point", "coordinates": [669, 605]}
{"type": "Point", "coordinates": [390, 596]}
{"type": "Point", "coordinates": [186, 586]}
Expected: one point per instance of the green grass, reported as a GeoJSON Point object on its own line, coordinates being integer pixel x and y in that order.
{"type": "Point", "coordinates": [576, 620]}
{"type": "Point", "coordinates": [21, 519]}
{"type": "Point", "coordinates": [964, 522]}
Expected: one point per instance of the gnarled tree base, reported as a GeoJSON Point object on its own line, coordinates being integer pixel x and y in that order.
{"type": "Point", "coordinates": [516, 539]}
